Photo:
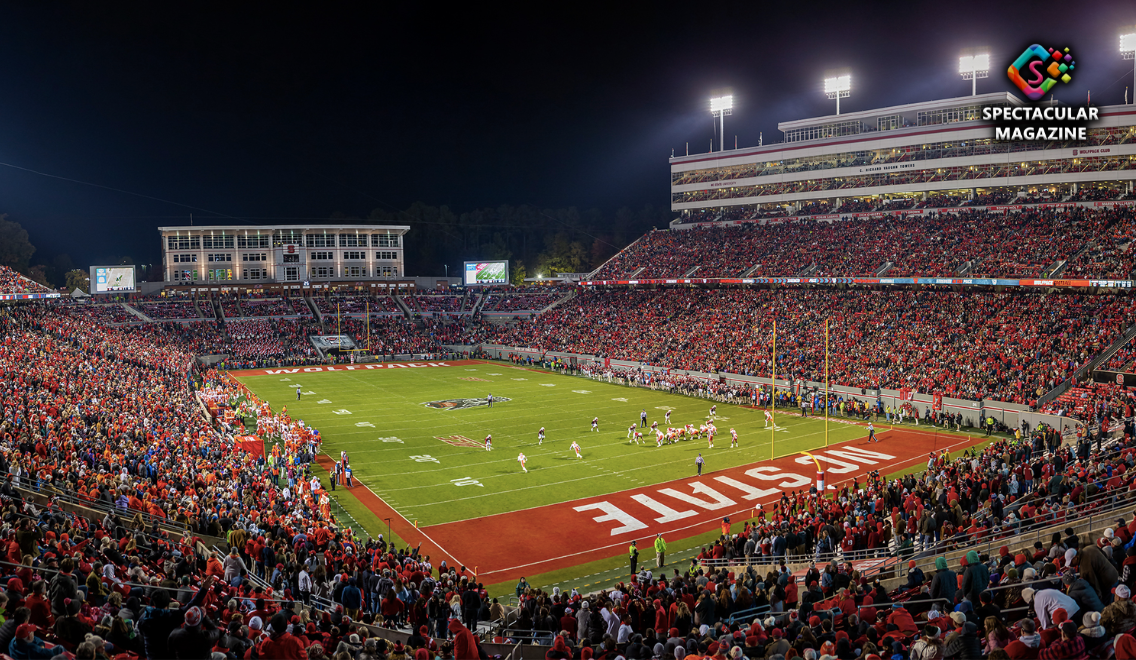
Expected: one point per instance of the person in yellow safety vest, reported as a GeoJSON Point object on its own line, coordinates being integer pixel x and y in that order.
{"type": "Point", "coordinates": [633, 557]}
{"type": "Point", "coordinates": [660, 550]}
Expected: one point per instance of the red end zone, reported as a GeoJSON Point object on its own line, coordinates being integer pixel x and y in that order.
{"type": "Point", "coordinates": [506, 546]}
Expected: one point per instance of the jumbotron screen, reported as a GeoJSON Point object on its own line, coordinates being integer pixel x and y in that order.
{"type": "Point", "coordinates": [486, 272]}
{"type": "Point", "coordinates": [112, 279]}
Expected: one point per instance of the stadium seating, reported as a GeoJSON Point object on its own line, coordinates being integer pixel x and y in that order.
{"type": "Point", "coordinates": [176, 309]}
{"type": "Point", "coordinates": [1006, 346]}
{"type": "Point", "coordinates": [263, 342]}
{"type": "Point", "coordinates": [13, 282]}
{"type": "Point", "coordinates": [1019, 244]}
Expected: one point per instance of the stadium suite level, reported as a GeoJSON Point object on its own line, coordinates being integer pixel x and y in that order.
{"type": "Point", "coordinates": [902, 153]}
{"type": "Point", "coordinates": [261, 254]}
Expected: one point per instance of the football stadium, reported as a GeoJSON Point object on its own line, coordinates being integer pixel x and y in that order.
{"type": "Point", "coordinates": [862, 390]}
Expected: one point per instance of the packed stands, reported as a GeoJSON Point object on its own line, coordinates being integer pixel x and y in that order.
{"type": "Point", "coordinates": [392, 336]}
{"type": "Point", "coordinates": [1093, 402]}
{"type": "Point", "coordinates": [270, 307]}
{"type": "Point", "coordinates": [133, 571]}
{"type": "Point", "coordinates": [13, 282]}
{"type": "Point", "coordinates": [432, 301]}
{"type": "Point", "coordinates": [380, 304]}
{"type": "Point", "coordinates": [231, 306]}
{"type": "Point", "coordinates": [1009, 346]}
{"type": "Point", "coordinates": [300, 306]}
{"type": "Point", "coordinates": [265, 343]}
{"type": "Point", "coordinates": [174, 309]}
{"type": "Point", "coordinates": [522, 299]}
{"type": "Point", "coordinates": [1019, 244]}
{"type": "Point", "coordinates": [113, 575]}
{"type": "Point", "coordinates": [111, 313]}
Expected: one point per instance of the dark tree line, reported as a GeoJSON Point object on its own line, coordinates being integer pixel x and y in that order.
{"type": "Point", "coordinates": [535, 240]}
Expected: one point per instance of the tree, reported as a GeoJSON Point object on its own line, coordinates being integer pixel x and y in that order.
{"type": "Point", "coordinates": [15, 248]}
{"type": "Point", "coordinates": [79, 279]}
{"type": "Point", "coordinates": [38, 274]}
{"type": "Point", "coordinates": [517, 273]}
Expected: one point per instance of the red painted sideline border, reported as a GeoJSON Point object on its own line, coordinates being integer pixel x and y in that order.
{"type": "Point", "coordinates": [375, 366]}
{"type": "Point", "coordinates": [399, 525]}
{"type": "Point", "coordinates": [547, 538]}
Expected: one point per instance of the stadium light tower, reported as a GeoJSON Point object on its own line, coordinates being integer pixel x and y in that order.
{"type": "Point", "coordinates": [973, 67]}
{"type": "Point", "coordinates": [720, 107]}
{"type": "Point", "coordinates": [1128, 51]}
{"type": "Point", "coordinates": [838, 88]}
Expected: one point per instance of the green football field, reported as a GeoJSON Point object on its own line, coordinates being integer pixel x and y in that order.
{"type": "Point", "coordinates": [393, 439]}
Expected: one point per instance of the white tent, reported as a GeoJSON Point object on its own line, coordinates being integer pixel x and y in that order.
{"type": "Point", "coordinates": [79, 293]}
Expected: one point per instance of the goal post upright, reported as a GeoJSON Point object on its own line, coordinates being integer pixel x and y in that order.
{"type": "Point", "coordinates": [773, 397]}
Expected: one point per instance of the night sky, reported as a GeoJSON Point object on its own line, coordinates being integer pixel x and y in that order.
{"type": "Point", "coordinates": [299, 111]}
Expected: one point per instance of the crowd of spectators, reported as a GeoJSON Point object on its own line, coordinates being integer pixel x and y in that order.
{"type": "Point", "coordinates": [263, 342]}
{"type": "Point", "coordinates": [111, 420]}
{"type": "Point", "coordinates": [270, 307]}
{"type": "Point", "coordinates": [438, 302]}
{"type": "Point", "coordinates": [177, 309]}
{"type": "Point", "coordinates": [1093, 403]}
{"type": "Point", "coordinates": [1007, 346]}
{"type": "Point", "coordinates": [1026, 244]}
{"type": "Point", "coordinates": [13, 282]}
{"type": "Point", "coordinates": [855, 206]}
{"type": "Point", "coordinates": [392, 335]}
{"type": "Point", "coordinates": [1110, 256]}
{"type": "Point", "coordinates": [512, 301]}
{"type": "Point", "coordinates": [1066, 597]}
{"type": "Point", "coordinates": [100, 313]}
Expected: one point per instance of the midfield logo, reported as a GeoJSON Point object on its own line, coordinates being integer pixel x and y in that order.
{"type": "Point", "coordinates": [460, 404]}
{"type": "Point", "coordinates": [460, 441]}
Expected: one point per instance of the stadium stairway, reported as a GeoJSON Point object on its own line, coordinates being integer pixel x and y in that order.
{"type": "Point", "coordinates": [406, 310]}
{"type": "Point", "coordinates": [137, 312]}
{"type": "Point", "coordinates": [557, 302]}
{"type": "Point", "coordinates": [481, 298]}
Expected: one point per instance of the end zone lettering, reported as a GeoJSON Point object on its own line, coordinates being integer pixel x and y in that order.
{"type": "Point", "coordinates": [1042, 133]}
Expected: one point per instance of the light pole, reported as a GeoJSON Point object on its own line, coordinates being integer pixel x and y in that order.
{"type": "Point", "coordinates": [1128, 52]}
{"type": "Point", "coordinates": [973, 67]}
{"type": "Point", "coordinates": [720, 107]}
{"type": "Point", "coordinates": [838, 88]}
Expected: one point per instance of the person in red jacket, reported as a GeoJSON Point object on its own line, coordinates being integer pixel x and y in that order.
{"type": "Point", "coordinates": [902, 619]}
{"type": "Point", "coordinates": [662, 622]}
{"type": "Point", "coordinates": [465, 646]}
{"type": "Point", "coordinates": [280, 644]}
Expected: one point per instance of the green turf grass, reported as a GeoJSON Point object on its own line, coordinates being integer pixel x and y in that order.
{"type": "Point", "coordinates": [391, 438]}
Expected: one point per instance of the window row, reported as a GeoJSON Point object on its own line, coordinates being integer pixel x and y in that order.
{"type": "Point", "coordinates": [350, 240]}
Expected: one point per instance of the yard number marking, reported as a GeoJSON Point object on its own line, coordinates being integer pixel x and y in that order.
{"type": "Point", "coordinates": [466, 481]}
{"type": "Point", "coordinates": [425, 458]}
